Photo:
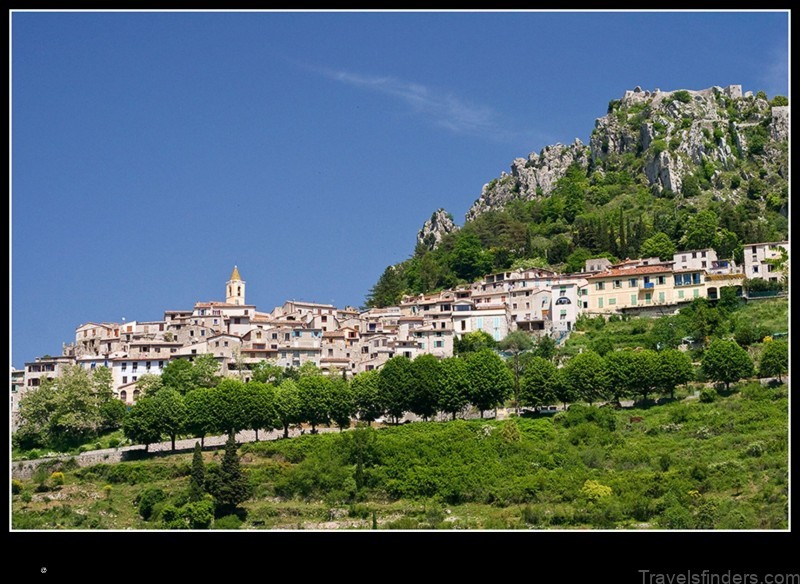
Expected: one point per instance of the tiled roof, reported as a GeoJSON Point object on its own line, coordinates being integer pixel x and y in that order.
{"type": "Point", "coordinates": [625, 272]}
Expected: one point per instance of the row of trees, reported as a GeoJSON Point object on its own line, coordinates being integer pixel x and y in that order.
{"type": "Point", "coordinates": [190, 398]}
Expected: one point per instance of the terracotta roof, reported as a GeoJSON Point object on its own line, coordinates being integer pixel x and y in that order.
{"type": "Point", "coordinates": [625, 272]}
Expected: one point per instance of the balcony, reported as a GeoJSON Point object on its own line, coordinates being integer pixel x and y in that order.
{"type": "Point", "coordinates": [647, 285]}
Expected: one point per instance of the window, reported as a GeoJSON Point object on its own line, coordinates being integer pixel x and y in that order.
{"type": "Point", "coordinates": [683, 258]}
{"type": "Point", "coordinates": [157, 349]}
{"type": "Point", "coordinates": [617, 283]}
{"type": "Point", "coordinates": [702, 255]}
{"type": "Point", "coordinates": [755, 269]}
{"type": "Point", "coordinates": [695, 293]}
{"type": "Point", "coordinates": [694, 255]}
{"type": "Point", "coordinates": [191, 333]}
{"type": "Point", "coordinates": [438, 344]}
{"type": "Point", "coordinates": [133, 378]}
{"type": "Point", "coordinates": [135, 365]}
{"type": "Point", "coordinates": [147, 365]}
{"type": "Point", "coordinates": [124, 366]}
{"type": "Point", "coordinates": [161, 364]}
{"type": "Point", "coordinates": [661, 297]}
{"type": "Point", "coordinates": [216, 343]}
{"type": "Point", "coordinates": [203, 333]}
{"type": "Point", "coordinates": [680, 294]}
{"type": "Point", "coordinates": [224, 343]}
{"type": "Point", "coordinates": [662, 280]}
{"type": "Point", "coordinates": [600, 286]}
{"type": "Point", "coordinates": [124, 379]}
{"type": "Point", "coordinates": [612, 301]}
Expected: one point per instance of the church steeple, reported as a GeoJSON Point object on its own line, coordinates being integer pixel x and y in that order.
{"type": "Point", "coordinates": [235, 288]}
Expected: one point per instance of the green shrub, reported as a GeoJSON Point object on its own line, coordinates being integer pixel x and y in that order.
{"type": "Point", "coordinates": [708, 395]}
{"type": "Point", "coordinates": [148, 499]}
{"type": "Point", "coordinates": [227, 522]}
{"type": "Point", "coordinates": [57, 478]}
{"type": "Point", "coordinates": [16, 486]}
{"type": "Point", "coordinates": [200, 514]}
{"type": "Point", "coordinates": [114, 442]}
{"type": "Point", "coordinates": [682, 96]}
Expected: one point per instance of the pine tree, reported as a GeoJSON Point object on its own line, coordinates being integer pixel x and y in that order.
{"type": "Point", "coordinates": [197, 478]}
{"type": "Point", "coordinates": [229, 485]}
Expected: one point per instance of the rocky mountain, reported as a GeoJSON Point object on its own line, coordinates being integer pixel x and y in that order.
{"type": "Point", "coordinates": [687, 169]}
{"type": "Point", "coordinates": [669, 135]}
{"type": "Point", "coordinates": [435, 228]}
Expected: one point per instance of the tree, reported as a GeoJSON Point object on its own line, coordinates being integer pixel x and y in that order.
{"type": "Point", "coordinates": [473, 341]}
{"type": "Point", "coordinates": [342, 404]}
{"type": "Point", "coordinates": [149, 384]}
{"type": "Point", "coordinates": [601, 345]}
{"type": "Point", "coordinates": [725, 361]}
{"type": "Point", "coordinates": [673, 368]}
{"type": "Point", "coordinates": [490, 380]}
{"type": "Point", "coordinates": [200, 418]}
{"type": "Point", "coordinates": [228, 484]}
{"type": "Point", "coordinates": [288, 405]}
{"type": "Point", "coordinates": [142, 423]}
{"type": "Point", "coordinates": [658, 245]}
{"type": "Point", "coordinates": [586, 375]}
{"type": "Point", "coordinates": [774, 359]}
{"type": "Point", "coordinates": [538, 386]}
{"type": "Point", "coordinates": [367, 396]}
{"type": "Point", "coordinates": [453, 388]}
{"type": "Point", "coordinates": [112, 412]}
{"type": "Point", "coordinates": [516, 343]}
{"type": "Point", "coordinates": [315, 398]}
{"type": "Point", "coordinates": [204, 371]}
{"type": "Point", "coordinates": [701, 231]}
{"type": "Point", "coordinates": [266, 372]}
{"type": "Point", "coordinates": [664, 334]}
{"type": "Point", "coordinates": [645, 370]}
{"type": "Point", "coordinates": [545, 348]}
{"type": "Point", "coordinates": [388, 289]}
{"type": "Point", "coordinates": [260, 405]}
{"type": "Point", "coordinates": [177, 375]}
{"type": "Point", "coordinates": [229, 403]}
{"type": "Point", "coordinates": [171, 413]}
{"type": "Point", "coordinates": [576, 261]}
{"type": "Point", "coordinates": [426, 374]}
{"type": "Point", "coordinates": [197, 478]}
{"type": "Point", "coordinates": [68, 410]}
{"type": "Point", "coordinates": [396, 383]}
{"type": "Point", "coordinates": [621, 373]}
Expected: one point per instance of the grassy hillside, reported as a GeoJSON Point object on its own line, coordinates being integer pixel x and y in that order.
{"type": "Point", "coordinates": [687, 464]}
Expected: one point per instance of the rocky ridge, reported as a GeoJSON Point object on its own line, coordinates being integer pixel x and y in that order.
{"type": "Point", "coordinates": [662, 137]}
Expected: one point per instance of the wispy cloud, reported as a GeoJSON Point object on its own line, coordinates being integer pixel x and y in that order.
{"type": "Point", "coordinates": [440, 108]}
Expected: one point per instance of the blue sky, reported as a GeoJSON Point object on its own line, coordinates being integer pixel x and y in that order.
{"type": "Point", "coordinates": [152, 151]}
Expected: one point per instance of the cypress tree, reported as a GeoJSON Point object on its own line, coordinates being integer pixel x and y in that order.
{"type": "Point", "coordinates": [230, 487]}
{"type": "Point", "coordinates": [197, 479]}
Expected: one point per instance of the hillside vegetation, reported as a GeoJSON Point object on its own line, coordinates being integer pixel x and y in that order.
{"type": "Point", "coordinates": [718, 463]}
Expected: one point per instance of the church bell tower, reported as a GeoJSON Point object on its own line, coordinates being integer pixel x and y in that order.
{"type": "Point", "coordinates": [235, 288]}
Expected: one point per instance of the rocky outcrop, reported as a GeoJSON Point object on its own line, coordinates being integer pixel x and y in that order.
{"type": "Point", "coordinates": [440, 224]}
{"type": "Point", "coordinates": [659, 138]}
{"type": "Point", "coordinates": [531, 177]}
{"type": "Point", "coordinates": [779, 127]}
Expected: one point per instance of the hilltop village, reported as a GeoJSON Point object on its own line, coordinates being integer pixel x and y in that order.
{"type": "Point", "coordinates": [346, 341]}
